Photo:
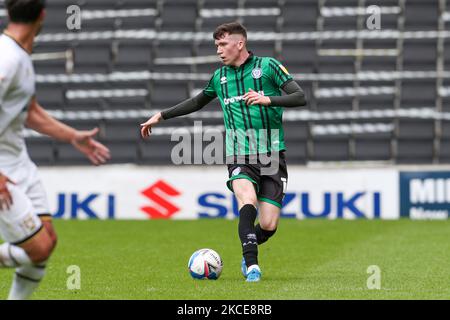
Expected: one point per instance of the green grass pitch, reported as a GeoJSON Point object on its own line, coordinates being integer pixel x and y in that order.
{"type": "Point", "coordinates": [306, 259]}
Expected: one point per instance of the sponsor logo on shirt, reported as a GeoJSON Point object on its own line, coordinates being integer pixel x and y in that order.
{"type": "Point", "coordinates": [227, 101]}
{"type": "Point", "coordinates": [223, 80]}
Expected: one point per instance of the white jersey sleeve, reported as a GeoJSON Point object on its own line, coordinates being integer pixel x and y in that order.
{"type": "Point", "coordinates": [17, 88]}
{"type": "Point", "coordinates": [8, 70]}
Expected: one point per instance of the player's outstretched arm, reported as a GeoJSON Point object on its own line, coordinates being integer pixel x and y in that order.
{"type": "Point", "coordinates": [295, 97]}
{"type": "Point", "coordinates": [146, 127]}
{"type": "Point", "coordinates": [40, 121]}
{"type": "Point", "coordinates": [181, 109]}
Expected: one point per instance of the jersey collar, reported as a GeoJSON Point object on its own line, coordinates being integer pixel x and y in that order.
{"type": "Point", "coordinates": [250, 58]}
{"type": "Point", "coordinates": [12, 38]}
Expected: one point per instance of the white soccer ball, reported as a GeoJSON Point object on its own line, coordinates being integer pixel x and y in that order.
{"type": "Point", "coordinates": [205, 264]}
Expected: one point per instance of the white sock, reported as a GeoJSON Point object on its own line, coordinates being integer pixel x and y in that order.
{"type": "Point", "coordinates": [253, 266]}
{"type": "Point", "coordinates": [12, 256]}
{"type": "Point", "coordinates": [26, 280]}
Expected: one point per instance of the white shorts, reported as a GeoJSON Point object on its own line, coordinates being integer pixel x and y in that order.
{"type": "Point", "coordinates": [19, 223]}
{"type": "Point", "coordinates": [23, 219]}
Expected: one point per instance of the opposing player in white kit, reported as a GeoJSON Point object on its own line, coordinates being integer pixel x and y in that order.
{"type": "Point", "coordinates": [25, 221]}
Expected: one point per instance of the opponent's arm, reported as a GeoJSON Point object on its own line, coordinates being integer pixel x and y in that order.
{"type": "Point", "coordinates": [188, 106]}
{"type": "Point", "coordinates": [295, 97]}
{"type": "Point", "coordinates": [40, 121]}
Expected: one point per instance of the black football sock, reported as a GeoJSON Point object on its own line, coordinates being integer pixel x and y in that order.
{"type": "Point", "coordinates": [247, 217]}
{"type": "Point", "coordinates": [263, 235]}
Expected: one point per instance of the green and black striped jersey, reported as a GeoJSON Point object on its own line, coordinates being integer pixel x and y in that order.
{"type": "Point", "coordinates": [252, 129]}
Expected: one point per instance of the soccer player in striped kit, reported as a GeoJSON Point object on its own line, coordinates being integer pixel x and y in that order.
{"type": "Point", "coordinates": [249, 89]}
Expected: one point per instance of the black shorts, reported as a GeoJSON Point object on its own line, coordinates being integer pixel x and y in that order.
{"type": "Point", "coordinates": [269, 178]}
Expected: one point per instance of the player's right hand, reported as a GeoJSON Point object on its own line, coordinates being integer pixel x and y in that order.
{"type": "Point", "coordinates": [5, 196]}
{"type": "Point", "coordinates": [146, 127]}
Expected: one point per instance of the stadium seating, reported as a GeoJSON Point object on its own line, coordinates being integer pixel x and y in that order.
{"type": "Point", "coordinates": [345, 69]}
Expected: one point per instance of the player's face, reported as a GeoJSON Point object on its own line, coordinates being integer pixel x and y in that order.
{"type": "Point", "coordinates": [229, 48]}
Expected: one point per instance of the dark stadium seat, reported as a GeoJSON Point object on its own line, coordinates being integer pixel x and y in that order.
{"type": "Point", "coordinates": [213, 4]}
{"type": "Point", "coordinates": [175, 49]}
{"type": "Point", "coordinates": [415, 151]}
{"type": "Point", "coordinates": [122, 129]}
{"type": "Point", "coordinates": [416, 129]}
{"type": "Point", "coordinates": [445, 125]}
{"type": "Point", "coordinates": [296, 151]}
{"type": "Point", "coordinates": [52, 96]}
{"type": "Point", "coordinates": [262, 49]}
{"type": "Point", "coordinates": [171, 68]}
{"type": "Point", "coordinates": [92, 53]}
{"type": "Point", "coordinates": [261, 3]}
{"type": "Point", "coordinates": [336, 64]}
{"type": "Point", "coordinates": [330, 148]}
{"type": "Point", "coordinates": [261, 23]}
{"type": "Point", "coordinates": [92, 57]}
{"type": "Point", "coordinates": [389, 21]}
{"type": "Point", "coordinates": [136, 3]}
{"type": "Point", "coordinates": [157, 150]}
{"type": "Point", "coordinates": [367, 149]}
{"type": "Point", "coordinates": [444, 156]}
{"type": "Point", "coordinates": [340, 23]}
{"type": "Point", "coordinates": [420, 15]}
{"type": "Point", "coordinates": [299, 57]}
{"type": "Point", "coordinates": [296, 135]}
{"type": "Point", "coordinates": [207, 69]}
{"type": "Point", "coordinates": [418, 93]}
{"type": "Point", "coordinates": [379, 63]}
{"type": "Point", "coordinates": [166, 94]}
{"type": "Point", "coordinates": [376, 102]}
{"type": "Point", "coordinates": [300, 16]}
{"type": "Point", "coordinates": [206, 48]}
{"type": "Point", "coordinates": [56, 17]}
{"type": "Point", "coordinates": [419, 54]}
{"type": "Point", "coordinates": [334, 104]}
{"type": "Point", "coordinates": [133, 55]}
{"type": "Point", "coordinates": [50, 66]}
{"type": "Point", "coordinates": [179, 16]}
{"type": "Point", "coordinates": [131, 23]}
{"type": "Point", "coordinates": [41, 150]}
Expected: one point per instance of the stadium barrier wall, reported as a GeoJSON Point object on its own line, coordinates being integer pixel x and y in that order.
{"type": "Point", "coordinates": [199, 192]}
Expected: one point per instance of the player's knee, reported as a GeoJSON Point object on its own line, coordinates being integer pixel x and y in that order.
{"type": "Point", "coordinates": [54, 241]}
{"type": "Point", "coordinates": [245, 191]}
{"type": "Point", "coordinates": [52, 234]}
{"type": "Point", "coordinates": [270, 225]}
{"type": "Point", "coordinates": [247, 196]}
{"type": "Point", "coordinates": [41, 252]}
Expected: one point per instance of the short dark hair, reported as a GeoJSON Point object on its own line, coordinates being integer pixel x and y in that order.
{"type": "Point", "coordinates": [230, 28]}
{"type": "Point", "coordinates": [24, 11]}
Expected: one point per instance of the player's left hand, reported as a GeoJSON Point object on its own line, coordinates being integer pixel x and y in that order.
{"type": "Point", "coordinates": [96, 152]}
{"type": "Point", "coordinates": [252, 97]}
